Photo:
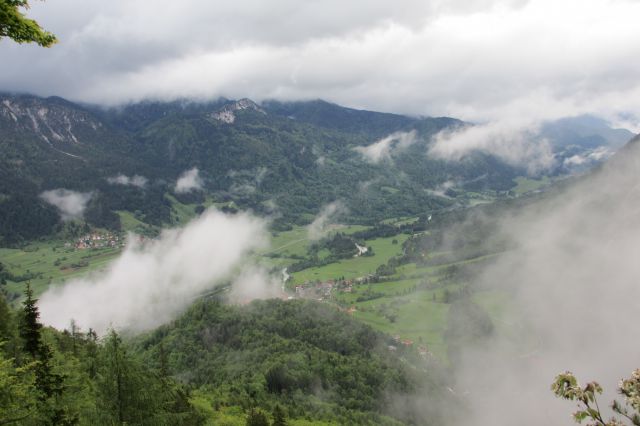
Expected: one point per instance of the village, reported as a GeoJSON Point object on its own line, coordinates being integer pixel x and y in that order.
{"type": "Point", "coordinates": [96, 240]}
{"type": "Point", "coordinates": [324, 291]}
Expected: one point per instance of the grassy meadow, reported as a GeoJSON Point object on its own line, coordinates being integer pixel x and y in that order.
{"type": "Point", "coordinates": [409, 304]}
{"type": "Point", "coordinates": [50, 262]}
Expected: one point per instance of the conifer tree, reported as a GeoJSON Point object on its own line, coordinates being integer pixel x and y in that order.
{"type": "Point", "coordinates": [257, 418]}
{"type": "Point", "coordinates": [279, 418]}
{"type": "Point", "coordinates": [30, 326]}
{"type": "Point", "coordinates": [17, 400]}
{"type": "Point", "coordinates": [5, 320]}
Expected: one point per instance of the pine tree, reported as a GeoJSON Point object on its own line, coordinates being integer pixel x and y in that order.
{"type": "Point", "coordinates": [17, 393]}
{"type": "Point", "coordinates": [30, 326]}
{"type": "Point", "coordinates": [257, 418]}
{"type": "Point", "coordinates": [113, 385]}
{"type": "Point", "coordinates": [48, 383]}
{"type": "Point", "coordinates": [164, 362]}
{"type": "Point", "coordinates": [5, 320]}
{"type": "Point", "coordinates": [3, 279]}
{"type": "Point", "coordinates": [279, 418]}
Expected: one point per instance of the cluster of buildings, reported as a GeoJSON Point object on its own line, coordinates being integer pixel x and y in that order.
{"type": "Point", "coordinates": [322, 290]}
{"type": "Point", "coordinates": [422, 349]}
{"type": "Point", "coordinates": [96, 240]}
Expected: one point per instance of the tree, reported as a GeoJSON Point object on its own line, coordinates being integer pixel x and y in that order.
{"type": "Point", "coordinates": [257, 418]}
{"type": "Point", "coordinates": [279, 419]}
{"type": "Point", "coordinates": [113, 386]}
{"type": "Point", "coordinates": [17, 401]}
{"type": "Point", "coordinates": [3, 278]}
{"type": "Point", "coordinates": [29, 326]}
{"type": "Point", "coordinates": [48, 384]}
{"type": "Point", "coordinates": [567, 387]}
{"type": "Point", "coordinates": [5, 320]}
{"type": "Point", "coordinates": [129, 393]}
{"type": "Point", "coordinates": [16, 26]}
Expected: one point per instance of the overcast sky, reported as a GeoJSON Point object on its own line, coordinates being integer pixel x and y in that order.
{"type": "Point", "coordinates": [478, 60]}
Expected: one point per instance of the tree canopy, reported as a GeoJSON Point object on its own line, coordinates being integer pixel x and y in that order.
{"type": "Point", "coordinates": [15, 25]}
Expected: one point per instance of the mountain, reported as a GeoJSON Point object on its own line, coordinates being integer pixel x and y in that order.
{"type": "Point", "coordinates": [282, 159]}
{"type": "Point", "coordinates": [581, 142]}
{"type": "Point", "coordinates": [585, 130]}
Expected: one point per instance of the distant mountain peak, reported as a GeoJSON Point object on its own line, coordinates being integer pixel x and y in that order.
{"type": "Point", "coordinates": [227, 114]}
{"type": "Point", "coordinates": [55, 121]}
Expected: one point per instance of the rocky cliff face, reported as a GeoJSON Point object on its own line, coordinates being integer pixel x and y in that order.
{"type": "Point", "coordinates": [53, 121]}
{"type": "Point", "coordinates": [226, 114]}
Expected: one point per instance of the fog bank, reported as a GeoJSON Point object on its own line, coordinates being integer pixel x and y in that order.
{"type": "Point", "coordinates": [574, 283]}
{"type": "Point", "coordinates": [153, 281]}
{"type": "Point", "coordinates": [70, 204]}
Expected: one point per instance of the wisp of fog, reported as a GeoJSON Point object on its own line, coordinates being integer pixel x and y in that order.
{"type": "Point", "coordinates": [70, 204]}
{"type": "Point", "coordinates": [574, 286]}
{"type": "Point", "coordinates": [189, 181]}
{"type": "Point", "coordinates": [385, 147]}
{"type": "Point", "coordinates": [153, 281]}
{"type": "Point", "coordinates": [319, 227]}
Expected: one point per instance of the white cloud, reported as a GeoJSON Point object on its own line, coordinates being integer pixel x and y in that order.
{"type": "Point", "coordinates": [515, 143]}
{"type": "Point", "coordinates": [255, 283]}
{"type": "Point", "coordinates": [441, 190]}
{"type": "Point", "coordinates": [70, 204]}
{"type": "Point", "coordinates": [246, 182]}
{"type": "Point", "coordinates": [135, 180]}
{"type": "Point", "coordinates": [488, 61]}
{"type": "Point", "coordinates": [382, 149]}
{"type": "Point", "coordinates": [189, 181]}
{"type": "Point", "coordinates": [152, 282]}
{"type": "Point", "coordinates": [469, 59]}
{"type": "Point", "coordinates": [589, 158]}
{"type": "Point", "coordinates": [571, 281]}
{"type": "Point", "coordinates": [320, 225]}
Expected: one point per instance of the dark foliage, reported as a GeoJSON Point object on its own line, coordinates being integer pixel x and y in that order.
{"type": "Point", "coordinates": [264, 155]}
{"type": "Point", "coordinates": [289, 353]}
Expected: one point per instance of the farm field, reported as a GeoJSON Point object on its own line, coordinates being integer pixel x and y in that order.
{"type": "Point", "coordinates": [50, 262]}
{"type": "Point", "coordinates": [525, 185]}
{"type": "Point", "coordinates": [419, 313]}
{"type": "Point", "coordinates": [288, 247]}
{"type": "Point", "coordinates": [410, 304]}
{"type": "Point", "coordinates": [383, 249]}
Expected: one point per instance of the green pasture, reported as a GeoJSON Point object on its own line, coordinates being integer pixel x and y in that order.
{"type": "Point", "coordinates": [416, 316]}
{"type": "Point", "coordinates": [383, 249]}
{"type": "Point", "coordinates": [51, 262]}
{"type": "Point", "coordinates": [524, 185]}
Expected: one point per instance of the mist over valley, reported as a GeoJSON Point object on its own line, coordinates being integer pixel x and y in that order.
{"type": "Point", "coordinates": [357, 215]}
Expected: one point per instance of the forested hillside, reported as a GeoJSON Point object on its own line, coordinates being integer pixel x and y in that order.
{"type": "Point", "coordinates": [216, 364]}
{"type": "Point", "coordinates": [290, 157]}
{"type": "Point", "coordinates": [74, 377]}
{"type": "Point", "coordinates": [308, 357]}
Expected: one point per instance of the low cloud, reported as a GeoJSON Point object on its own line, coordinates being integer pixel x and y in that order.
{"type": "Point", "coordinates": [189, 181]}
{"type": "Point", "coordinates": [255, 283]}
{"type": "Point", "coordinates": [152, 282]}
{"type": "Point", "coordinates": [329, 213]}
{"type": "Point", "coordinates": [383, 149]}
{"type": "Point", "coordinates": [135, 180]}
{"type": "Point", "coordinates": [515, 143]}
{"type": "Point", "coordinates": [587, 159]}
{"type": "Point", "coordinates": [572, 287]}
{"type": "Point", "coordinates": [246, 182]}
{"type": "Point", "coordinates": [70, 204]}
{"type": "Point", "coordinates": [441, 190]}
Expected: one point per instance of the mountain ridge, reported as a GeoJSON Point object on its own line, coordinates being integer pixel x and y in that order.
{"type": "Point", "coordinates": [296, 156]}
